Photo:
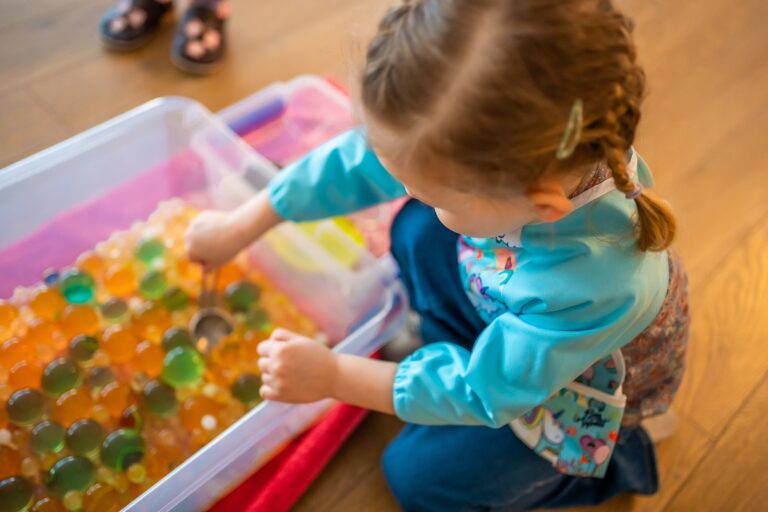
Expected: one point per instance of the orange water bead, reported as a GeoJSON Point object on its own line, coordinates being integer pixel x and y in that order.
{"type": "Point", "coordinates": [48, 505]}
{"type": "Point", "coordinates": [78, 319]}
{"type": "Point", "coordinates": [101, 498]}
{"type": "Point", "coordinates": [47, 303]}
{"type": "Point", "coordinates": [91, 263]}
{"type": "Point", "coordinates": [25, 374]}
{"type": "Point", "coordinates": [151, 320]}
{"type": "Point", "coordinates": [149, 358]}
{"type": "Point", "coordinates": [188, 270]}
{"type": "Point", "coordinates": [119, 344]}
{"type": "Point", "coordinates": [120, 280]}
{"type": "Point", "coordinates": [45, 332]}
{"type": "Point", "coordinates": [14, 351]}
{"type": "Point", "coordinates": [10, 462]}
{"type": "Point", "coordinates": [3, 414]}
{"type": "Point", "coordinates": [8, 315]}
{"type": "Point", "coordinates": [196, 408]}
{"type": "Point", "coordinates": [115, 397]}
{"type": "Point", "coordinates": [73, 405]}
{"type": "Point", "coordinates": [229, 273]}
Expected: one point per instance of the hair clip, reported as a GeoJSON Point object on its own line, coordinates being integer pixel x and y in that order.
{"type": "Point", "coordinates": [636, 192]}
{"type": "Point", "coordinates": [572, 132]}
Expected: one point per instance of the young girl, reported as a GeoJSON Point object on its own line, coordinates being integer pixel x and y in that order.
{"type": "Point", "coordinates": [532, 250]}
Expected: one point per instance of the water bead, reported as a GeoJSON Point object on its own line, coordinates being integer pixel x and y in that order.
{"type": "Point", "coordinates": [72, 406]}
{"type": "Point", "coordinates": [120, 280]}
{"type": "Point", "coordinates": [10, 461]}
{"type": "Point", "coordinates": [100, 376]}
{"type": "Point", "coordinates": [121, 483]}
{"type": "Point", "coordinates": [149, 250]}
{"type": "Point", "coordinates": [176, 337]}
{"type": "Point", "coordinates": [160, 399]}
{"type": "Point", "coordinates": [30, 468]}
{"type": "Point", "coordinates": [25, 407]}
{"type": "Point", "coordinates": [25, 374]}
{"type": "Point", "coordinates": [258, 320]}
{"type": "Point", "coordinates": [16, 494]}
{"type": "Point", "coordinates": [47, 303]}
{"type": "Point", "coordinates": [151, 320]}
{"type": "Point", "coordinates": [19, 437]}
{"type": "Point", "coordinates": [82, 348]}
{"type": "Point", "coordinates": [183, 366]}
{"type": "Point", "coordinates": [121, 449]}
{"type": "Point", "coordinates": [149, 358]}
{"type": "Point", "coordinates": [72, 500]}
{"type": "Point", "coordinates": [47, 437]}
{"type": "Point", "coordinates": [79, 319]}
{"type": "Point", "coordinates": [136, 473]}
{"type": "Point", "coordinates": [100, 414]}
{"type": "Point", "coordinates": [189, 271]}
{"type": "Point", "coordinates": [84, 436]}
{"type": "Point", "coordinates": [119, 344]}
{"type": "Point", "coordinates": [153, 284]}
{"type": "Point", "coordinates": [8, 315]}
{"type": "Point", "coordinates": [115, 310]}
{"type": "Point", "coordinates": [47, 505]}
{"type": "Point", "coordinates": [229, 273]}
{"type": "Point", "coordinates": [101, 498]}
{"type": "Point", "coordinates": [77, 287]}
{"type": "Point", "coordinates": [116, 396]}
{"type": "Point", "coordinates": [44, 332]}
{"type": "Point", "coordinates": [175, 299]}
{"type": "Point", "coordinates": [60, 376]}
{"type": "Point", "coordinates": [14, 351]}
{"type": "Point", "coordinates": [72, 473]}
{"type": "Point", "coordinates": [131, 418]}
{"type": "Point", "coordinates": [195, 409]}
{"type": "Point", "coordinates": [91, 263]}
{"type": "Point", "coordinates": [246, 388]}
{"type": "Point", "coordinates": [242, 296]}
{"type": "Point", "coordinates": [51, 277]}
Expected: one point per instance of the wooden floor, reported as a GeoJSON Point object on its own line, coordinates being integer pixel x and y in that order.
{"type": "Point", "coordinates": [705, 133]}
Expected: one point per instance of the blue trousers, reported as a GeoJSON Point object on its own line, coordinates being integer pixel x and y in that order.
{"type": "Point", "coordinates": [462, 468]}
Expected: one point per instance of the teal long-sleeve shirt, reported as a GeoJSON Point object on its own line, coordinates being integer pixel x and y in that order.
{"type": "Point", "coordinates": [556, 297]}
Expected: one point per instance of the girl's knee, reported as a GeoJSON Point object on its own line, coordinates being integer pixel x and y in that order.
{"type": "Point", "coordinates": [397, 467]}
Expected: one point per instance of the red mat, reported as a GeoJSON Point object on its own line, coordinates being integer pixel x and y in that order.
{"type": "Point", "coordinates": [278, 486]}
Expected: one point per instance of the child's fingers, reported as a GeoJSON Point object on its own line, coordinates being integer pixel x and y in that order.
{"type": "Point", "coordinates": [267, 393]}
{"type": "Point", "coordinates": [265, 365]}
{"type": "Point", "coordinates": [265, 348]}
{"type": "Point", "coordinates": [280, 334]}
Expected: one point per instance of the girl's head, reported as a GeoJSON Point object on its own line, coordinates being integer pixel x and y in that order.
{"type": "Point", "coordinates": [467, 103]}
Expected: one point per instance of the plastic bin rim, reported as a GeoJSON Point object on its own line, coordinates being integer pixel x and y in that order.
{"type": "Point", "coordinates": [32, 164]}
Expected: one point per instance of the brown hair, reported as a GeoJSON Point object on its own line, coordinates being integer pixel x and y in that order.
{"type": "Point", "coordinates": [489, 85]}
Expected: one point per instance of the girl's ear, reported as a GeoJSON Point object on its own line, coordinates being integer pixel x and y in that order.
{"type": "Point", "coordinates": [548, 199]}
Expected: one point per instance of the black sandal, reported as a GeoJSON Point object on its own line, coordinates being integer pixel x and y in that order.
{"type": "Point", "coordinates": [129, 23]}
{"type": "Point", "coordinates": [199, 43]}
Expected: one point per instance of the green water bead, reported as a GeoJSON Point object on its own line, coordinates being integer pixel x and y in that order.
{"type": "Point", "coordinates": [47, 437]}
{"type": "Point", "coordinates": [175, 299]}
{"type": "Point", "coordinates": [100, 376]}
{"type": "Point", "coordinates": [257, 320]}
{"type": "Point", "coordinates": [246, 388]}
{"type": "Point", "coordinates": [115, 310]}
{"type": "Point", "coordinates": [25, 406]}
{"type": "Point", "coordinates": [60, 376]}
{"type": "Point", "coordinates": [122, 448]}
{"type": "Point", "coordinates": [82, 348]}
{"type": "Point", "coordinates": [72, 473]}
{"type": "Point", "coordinates": [84, 436]}
{"type": "Point", "coordinates": [242, 296]}
{"type": "Point", "coordinates": [183, 366]}
{"type": "Point", "coordinates": [153, 284]}
{"type": "Point", "coordinates": [176, 337]}
{"type": "Point", "coordinates": [77, 286]}
{"type": "Point", "coordinates": [149, 250]}
{"type": "Point", "coordinates": [16, 494]}
{"type": "Point", "coordinates": [159, 399]}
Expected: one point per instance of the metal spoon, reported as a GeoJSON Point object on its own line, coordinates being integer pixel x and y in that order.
{"type": "Point", "coordinates": [210, 323]}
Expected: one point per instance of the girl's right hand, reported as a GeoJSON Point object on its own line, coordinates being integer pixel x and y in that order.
{"type": "Point", "coordinates": [213, 238]}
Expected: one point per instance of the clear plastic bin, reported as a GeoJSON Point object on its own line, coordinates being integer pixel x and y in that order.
{"type": "Point", "coordinates": [64, 200]}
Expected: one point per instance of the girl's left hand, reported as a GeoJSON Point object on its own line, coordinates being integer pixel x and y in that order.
{"type": "Point", "coordinates": [296, 369]}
